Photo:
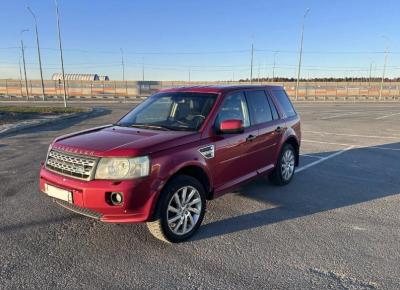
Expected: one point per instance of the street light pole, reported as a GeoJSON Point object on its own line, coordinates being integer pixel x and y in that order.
{"type": "Point", "coordinates": [61, 53]}
{"type": "Point", "coordinates": [143, 69]}
{"type": "Point", "coordinates": [38, 49]}
{"type": "Point", "coordinates": [273, 68]}
{"type": "Point", "coordinates": [300, 53]}
{"type": "Point", "coordinates": [123, 64]}
{"type": "Point", "coordinates": [384, 72]}
{"type": "Point", "coordinates": [251, 64]}
{"type": "Point", "coordinates": [370, 74]}
{"type": "Point", "coordinates": [20, 75]}
{"type": "Point", "coordinates": [23, 60]}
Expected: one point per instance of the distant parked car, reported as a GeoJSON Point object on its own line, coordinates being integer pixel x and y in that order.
{"type": "Point", "coordinates": [166, 157]}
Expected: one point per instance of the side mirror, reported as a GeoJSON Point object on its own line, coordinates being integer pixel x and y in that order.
{"type": "Point", "coordinates": [233, 126]}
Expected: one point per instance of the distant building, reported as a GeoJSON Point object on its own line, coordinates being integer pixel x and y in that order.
{"type": "Point", "coordinates": [76, 77]}
{"type": "Point", "coordinates": [104, 78]}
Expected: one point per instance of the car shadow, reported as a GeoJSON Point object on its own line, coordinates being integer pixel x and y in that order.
{"type": "Point", "coordinates": [61, 124]}
{"type": "Point", "coordinates": [356, 176]}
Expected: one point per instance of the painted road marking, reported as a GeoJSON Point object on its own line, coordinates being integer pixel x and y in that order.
{"type": "Point", "coordinates": [323, 159]}
{"type": "Point", "coordinates": [340, 115]}
{"type": "Point", "coordinates": [324, 142]}
{"type": "Point", "coordinates": [387, 116]}
{"type": "Point", "coordinates": [313, 156]}
{"type": "Point", "coordinates": [353, 135]}
{"type": "Point", "coordinates": [381, 148]}
{"type": "Point", "coordinates": [354, 145]}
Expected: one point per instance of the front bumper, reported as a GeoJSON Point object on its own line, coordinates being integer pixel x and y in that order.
{"type": "Point", "coordinates": [90, 197]}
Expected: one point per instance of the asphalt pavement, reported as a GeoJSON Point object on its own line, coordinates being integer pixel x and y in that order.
{"type": "Point", "coordinates": [335, 226]}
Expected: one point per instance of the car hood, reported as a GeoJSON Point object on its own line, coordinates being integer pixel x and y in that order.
{"type": "Point", "coordinates": [122, 141]}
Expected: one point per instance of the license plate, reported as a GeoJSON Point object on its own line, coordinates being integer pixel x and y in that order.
{"type": "Point", "coordinates": [58, 193]}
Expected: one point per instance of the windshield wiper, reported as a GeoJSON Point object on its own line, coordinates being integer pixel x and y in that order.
{"type": "Point", "coordinates": [151, 127]}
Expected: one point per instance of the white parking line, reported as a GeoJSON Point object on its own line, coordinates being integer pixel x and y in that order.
{"type": "Point", "coordinates": [323, 159]}
{"type": "Point", "coordinates": [380, 148]}
{"type": "Point", "coordinates": [387, 116]}
{"type": "Point", "coordinates": [340, 115]}
{"type": "Point", "coordinates": [342, 144]}
{"type": "Point", "coordinates": [352, 135]}
{"type": "Point", "coordinates": [313, 156]}
{"type": "Point", "coordinates": [393, 130]}
{"type": "Point", "coordinates": [324, 142]}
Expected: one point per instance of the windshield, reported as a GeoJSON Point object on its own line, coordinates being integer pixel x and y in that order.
{"type": "Point", "coordinates": [177, 111]}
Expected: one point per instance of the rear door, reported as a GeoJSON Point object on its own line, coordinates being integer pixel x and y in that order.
{"type": "Point", "coordinates": [265, 119]}
{"type": "Point", "coordinates": [287, 111]}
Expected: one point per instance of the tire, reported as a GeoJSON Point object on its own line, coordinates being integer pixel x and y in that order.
{"type": "Point", "coordinates": [285, 167]}
{"type": "Point", "coordinates": [182, 204]}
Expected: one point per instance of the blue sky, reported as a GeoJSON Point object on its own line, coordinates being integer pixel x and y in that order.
{"type": "Point", "coordinates": [212, 39]}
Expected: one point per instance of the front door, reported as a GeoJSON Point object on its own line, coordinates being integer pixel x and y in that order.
{"type": "Point", "coordinates": [232, 151]}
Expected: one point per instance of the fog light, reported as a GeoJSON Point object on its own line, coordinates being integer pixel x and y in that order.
{"type": "Point", "coordinates": [116, 198]}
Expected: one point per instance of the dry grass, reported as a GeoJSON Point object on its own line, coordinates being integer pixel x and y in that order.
{"type": "Point", "coordinates": [40, 110]}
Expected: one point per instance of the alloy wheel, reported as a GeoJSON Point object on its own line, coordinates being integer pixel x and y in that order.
{"type": "Point", "coordinates": [287, 164]}
{"type": "Point", "coordinates": [184, 210]}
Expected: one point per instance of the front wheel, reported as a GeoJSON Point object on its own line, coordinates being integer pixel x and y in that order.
{"type": "Point", "coordinates": [180, 211]}
{"type": "Point", "coordinates": [285, 167]}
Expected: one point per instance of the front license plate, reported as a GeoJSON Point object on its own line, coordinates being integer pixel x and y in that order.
{"type": "Point", "coordinates": [58, 193]}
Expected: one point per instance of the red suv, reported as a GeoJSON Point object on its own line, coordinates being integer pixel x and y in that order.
{"type": "Point", "coordinates": [166, 157]}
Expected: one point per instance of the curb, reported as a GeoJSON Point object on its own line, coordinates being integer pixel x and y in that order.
{"type": "Point", "coordinates": [19, 127]}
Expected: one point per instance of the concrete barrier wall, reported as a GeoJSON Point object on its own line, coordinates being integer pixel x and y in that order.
{"type": "Point", "coordinates": [308, 91]}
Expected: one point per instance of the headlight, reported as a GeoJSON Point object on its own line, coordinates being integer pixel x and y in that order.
{"type": "Point", "coordinates": [123, 168]}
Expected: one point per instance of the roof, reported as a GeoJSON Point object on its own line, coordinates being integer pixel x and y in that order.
{"type": "Point", "coordinates": [76, 77]}
{"type": "Point", "coordinates": [219, 88]}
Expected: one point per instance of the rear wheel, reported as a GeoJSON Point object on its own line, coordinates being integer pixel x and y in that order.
{"type": "Point", "coordinates": [285, 167]}
{"type": "Point", "coordinates": [180, 210]}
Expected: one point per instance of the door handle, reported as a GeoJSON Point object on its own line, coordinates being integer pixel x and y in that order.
{"type": "Point", "coordinates": [278, 129]}
{"type": "Point", "coordinates": [251, 137]}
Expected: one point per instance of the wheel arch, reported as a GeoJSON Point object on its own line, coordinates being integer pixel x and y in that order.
{"type": "Point", "coordinates": [292, 140]}
{"type": "Point", "coordinates": [191, 169]}
{"type": "Point", "coordinates": [199, 173]}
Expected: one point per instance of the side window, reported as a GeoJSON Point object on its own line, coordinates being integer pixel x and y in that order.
{"type": "Point", "coordinates": [273, 109]}
{"type": "Point", "coordinates": [234, 107]}
{"type": "Point", "coordinates": [283, 99]}
{"type": "Point", "coordinates": [260, 111]}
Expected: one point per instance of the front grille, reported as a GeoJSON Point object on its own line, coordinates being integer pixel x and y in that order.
{"type": "Point", "coordinates": [77, 166]}
{"type": "Point", "coordinates": [80, 210]}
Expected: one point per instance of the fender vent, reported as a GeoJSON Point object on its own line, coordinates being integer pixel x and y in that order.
{"type": "Point", "coordinates": [208, 151]}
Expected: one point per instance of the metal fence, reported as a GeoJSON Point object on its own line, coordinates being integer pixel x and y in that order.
{"type": "Point", "coordinates": [308, 91]}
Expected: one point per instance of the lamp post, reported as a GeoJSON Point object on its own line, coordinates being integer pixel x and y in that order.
{"type": "Point", "coordinates": [123, 64]}
{"type": "Point", "coordinates": [384, 67]}
{"type": "Point", "coordinates": [300, 53]}
{"type": "Point", "coordinates": [251, 63]}
{"type": "Point", "coordinates": [142, 69]}
{"type": "Point", "coordinates": [273, 68]}
{"type": "Point", "coordinates": [38, 49]}
{"type": "Point", "coordinates": [61, 53]}
{"type": "Point", "coordinates": [23, 60]}
{"type": "Point", "coordinates": [20, 75]}
{"type": "Point", "coordinates": [370, 73]}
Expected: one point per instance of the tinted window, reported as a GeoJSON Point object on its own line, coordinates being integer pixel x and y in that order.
{"type": "Point", "coordinates": [181, 111]}
{"type": "Point", "coordinates": [234, 107]}
{"type": "Point", "coordinates": [156, 112]}
{"type": "Point", "coordinates": [273, 109]}
{"type": "Point", "coordinates": [283, 99]}
{"type": "Point", "coordinates": [260, 111]}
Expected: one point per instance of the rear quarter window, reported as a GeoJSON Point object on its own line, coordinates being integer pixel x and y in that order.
{"type": "Point", "coordinates": [285, 103]}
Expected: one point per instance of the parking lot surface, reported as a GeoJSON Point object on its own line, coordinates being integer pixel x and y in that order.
{"type": "Point", "coordinates": [336, 225]}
